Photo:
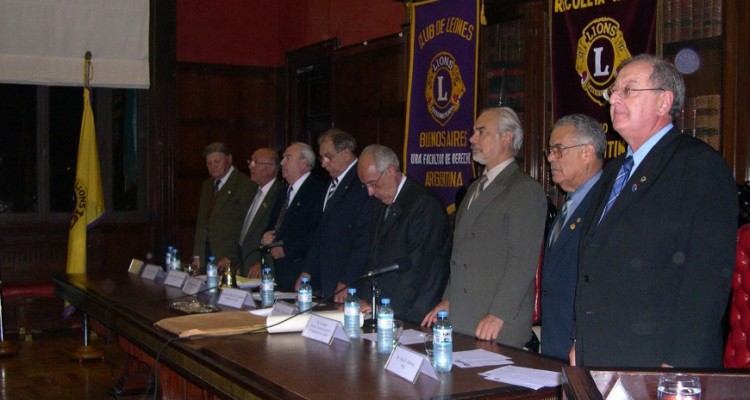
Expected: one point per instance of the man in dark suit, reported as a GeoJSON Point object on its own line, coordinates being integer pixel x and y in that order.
{"type": "Point", "coordinates": [656, 259]}
{"type": "Point", "coordinates": [339, 251]}
{"type": "Point", "coordinates": [264, 171]}
{"type": "Point", "coordinates": [576, 155]}
{"type": "Point", "coordinates": [225, 197]}
{"type": "Point", "coordinates": [497, 240]}
{"type": "Point", "coordinates": [296, 215]}
{"type": "Point", "coordinates": [410, 228]}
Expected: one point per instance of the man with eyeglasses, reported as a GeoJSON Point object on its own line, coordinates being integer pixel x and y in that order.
{"type": "Point", "coordinates": [264, 171]}
{"type": "Point", "coordinates": [575, 155]}
{"type": "Point", "coordinates": [295, 215]}
{"type": "Point", "coordinates": [658, 244]}
{"type": "Point", "coordinates": [497, 240]}
{"type": "Point", "coordinates": [339, 251]}
{"type": "Point", "coordinates": [225, 197]}
{"type": "Point", "coordinates": [410, 228]}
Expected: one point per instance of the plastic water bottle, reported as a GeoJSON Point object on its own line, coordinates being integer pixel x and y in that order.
{"type": "Point", "coordinates": [168, 258]}
{"type": "Point", "coordinates": [212, 275]}
{"type": "Point", "coordinates": [266, 289]}
{"type": "Point", "coordinates": [442, 343]}
{"type": "Point", "coordinates": [352, 314]}
{"type": "Point", "coordinates": [175, 261]}
{"type": "Point", "coordinates": [304, 295]}
{"type": "Point", "coordinates": [385, 326]}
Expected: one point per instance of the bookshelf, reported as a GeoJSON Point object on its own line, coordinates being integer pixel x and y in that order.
{"type": "Point", "coordinates": [692, 38]}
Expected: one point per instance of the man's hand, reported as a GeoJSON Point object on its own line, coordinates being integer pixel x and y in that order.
{"type": "Point", "coordinates": [489, 327]}
{"type": "Point", "coordinates": [268, 237]}
{"type": "Point", "coordinates": [255, 271]}
{"type": "Point", "coordinates": [277, 252]}
{"type": "Point", "coordinates": [572, 355]}
{"type": "Point", "coordinates": [341, 293]}
{"type": "Point", "coordinates": [299, 280]}
{"type": "Point", "coordinates": [431, 316]}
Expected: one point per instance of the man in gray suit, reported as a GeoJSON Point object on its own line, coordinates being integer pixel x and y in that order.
{"type": "Point", "coordinates": [497, 239]}
{"type": "Point", "coordinates": [264, 171]}
{"type": "Point", "coordinates": [225, 197]}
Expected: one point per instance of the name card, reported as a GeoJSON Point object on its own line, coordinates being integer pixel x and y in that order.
{"type": "Point", "coordinates": [323, 329]}
{"type": "Point", "coordinates": [282, 308]}
{"type": "Point", "coordinates": [135, 266]}
{"type": "Point", "coordinates": [408, 364]}
{"type": "Point", "coordinates": [192, 285]}
{"type": "Point", "coordinates": [175, 278]}
{"type": "Point", "coordinates": [151, 272]}
{"type": "Point", "coordinates": [231, 297]}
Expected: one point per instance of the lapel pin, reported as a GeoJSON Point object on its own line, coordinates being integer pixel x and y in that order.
{"type": "Point", "coordinates": [634, 187]}
{"type": "Point", "coordinates": [643, 179]}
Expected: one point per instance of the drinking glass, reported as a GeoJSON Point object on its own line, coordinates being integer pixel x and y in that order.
{"type": "Point", "coordinates": [679, 387]}
{"type": "Point", "coordinates": [398, 330]}
{"type": "Point", "coordinates": [428, 345]}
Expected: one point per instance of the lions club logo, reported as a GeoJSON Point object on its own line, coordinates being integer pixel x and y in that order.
{"type": "Point", "coordinates": [444, 88]}
{"type": "Point", "coordinates": [601, 49]}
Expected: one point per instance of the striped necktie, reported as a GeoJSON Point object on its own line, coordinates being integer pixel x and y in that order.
{"type": "Point", "coordinates": [620, 181]}
{"type": "Point", "coordinates": [282, 213]}
{"type": "Point", "coordinates": [331, 191]}
{"type": "Point", "coordinates": [557, 228]}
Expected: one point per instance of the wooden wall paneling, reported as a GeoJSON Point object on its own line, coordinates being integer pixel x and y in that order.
{"type": "Point", "coordinates": [307, 93]}
{"type": "Point", "coordinates": [735, 106]}
{"type": "Point", "coordinates": [230, 104]}
{"type": "Point", "coordinates": [162, 126]}
{"type": "Point", "coordinates": [369, 91]}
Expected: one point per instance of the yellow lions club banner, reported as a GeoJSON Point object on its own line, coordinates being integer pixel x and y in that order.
{"type": "Point", "coordinates": [590, 39]}
{"type": "Point", "coordinates": [88, 189]}
{"type": "Point", "coordinates": [441, 103]}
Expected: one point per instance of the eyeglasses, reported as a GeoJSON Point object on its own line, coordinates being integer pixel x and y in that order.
{"type": "Point", "coordinates": [625, 92]}
{"type": "Point", "coordinates": [557, 149]}
{"type": "Point", "coordinates": [374, 185]}
{"type": "Point", "coordinates": [253, 163]}
{"type": "Point", "coordinates": [329, 157]}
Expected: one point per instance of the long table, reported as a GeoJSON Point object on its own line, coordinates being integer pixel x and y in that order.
{"type": "Point", "coordinates": [261, 365]}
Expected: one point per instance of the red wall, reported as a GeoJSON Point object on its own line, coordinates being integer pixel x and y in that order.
{"type": "Point", "coordinates": [259, 32]}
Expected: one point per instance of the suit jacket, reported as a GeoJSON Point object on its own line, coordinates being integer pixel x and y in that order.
{"type": "Point", "coordinates": [496, 246]}
{"type": "Point", "coordinates": [559, 274]}
{"type": "Point", "coordinates": [222, 227]}
{"type": "Point", "coordinates": [339, 249]}
{"type": "Point", "coordinates": [297, 229]}
{"type": "Point", "coordinates": [417, 235]}
{"type": "Point", "coordinates": [247, 253]}
{"type": "Point", "coordinates": [654, 276]}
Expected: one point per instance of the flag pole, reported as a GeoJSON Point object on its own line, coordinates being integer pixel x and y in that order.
{"type": "Point", "coordinates": [86, 351]}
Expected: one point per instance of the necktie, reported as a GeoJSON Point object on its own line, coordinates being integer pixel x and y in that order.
{"type": "Point", "coordinates": [251, 214]}
{"type": "Point", "coordinates": [331, 191]}
{"type": "Point", "coordinates": [480, 189]}
{"type": "Point", "coordinates": [559, 221]}
{"type": "Point", "coordinates": [284, 207]}
{"type": "Point", "coordinates": [620, 181]}
{"type": "Point", "coordinates": [216, 185]}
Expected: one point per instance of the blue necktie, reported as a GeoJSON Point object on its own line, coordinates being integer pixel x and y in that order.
{"type": "Point", "coordinates": [620, 181]}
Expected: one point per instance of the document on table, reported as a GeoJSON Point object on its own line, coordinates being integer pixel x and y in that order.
{"type": "Point", "coordinates": [526, 377]}
{"type": "Point", "coordinates": [479, 358]}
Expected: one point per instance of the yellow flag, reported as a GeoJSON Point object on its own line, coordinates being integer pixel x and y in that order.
{"type": "Point", "coordinates": [88, 189]}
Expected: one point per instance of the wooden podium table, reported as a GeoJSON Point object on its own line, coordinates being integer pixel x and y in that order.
{"type": "Point", "coordinates": [585, 384]}
{"type": "Point", "coordinates": [261, 365]}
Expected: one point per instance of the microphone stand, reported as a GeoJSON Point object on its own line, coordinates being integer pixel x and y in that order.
{"type": "Point", "coordinates": [375, 293]}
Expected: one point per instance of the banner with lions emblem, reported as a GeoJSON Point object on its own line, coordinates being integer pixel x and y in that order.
{"type": "Point", "coordinates": [590, 39]}
{"type": "Point", "coordinates": [441, 101]}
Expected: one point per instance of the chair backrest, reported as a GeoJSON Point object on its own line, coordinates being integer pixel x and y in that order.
{"type": "Point", "coordinates": [737, 350]}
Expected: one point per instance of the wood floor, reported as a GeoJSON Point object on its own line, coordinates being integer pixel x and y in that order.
{"type": "Point", "coordinates": [45, 369]}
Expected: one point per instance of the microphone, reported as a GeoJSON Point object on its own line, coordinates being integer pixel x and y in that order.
{"type": "Point", "coordinates": [266, 247]}
{"type": "Point", "coordinates": [402, 265]}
